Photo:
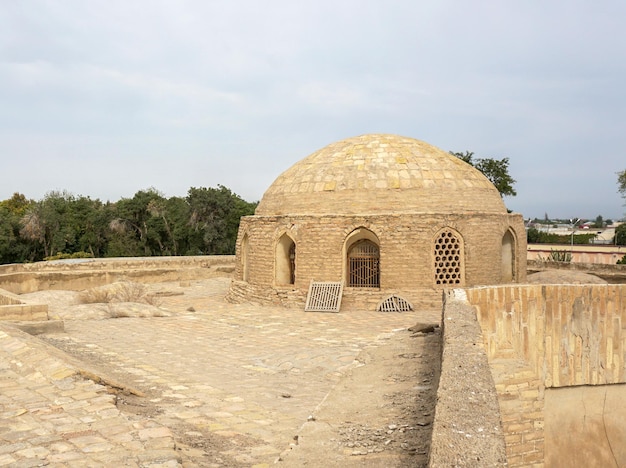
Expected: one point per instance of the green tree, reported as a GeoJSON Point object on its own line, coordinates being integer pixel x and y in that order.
{"type": "Point", "coordinates": [16, 205]}
{"type": "Point", "coordinates": [533, 236]}
{"type": "Point", "coordinates": [620, 235]}
{"type": "Point", "coordinates": [621, 183]}
{"type": "Point", "coordinates": [134, 232]}
{"type": "Point", "coordinates": [214, 218]}
{"type": "Point", "coordinates": [496, 170]}
{"type": "Point", "coordinates": [178, 216]}
{"type": "Point", "coordinates": [43, 223]}
{"type": "Point", "coordinates": [62, 223]}
{"type": "Point", "coordinates": [90, 219]}
{"type": "Point", "coordinates": [599, 222]}
{"type": "Point", "coordinates": [13, 247]}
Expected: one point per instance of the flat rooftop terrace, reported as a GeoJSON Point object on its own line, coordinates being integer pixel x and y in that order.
{"type": "Point", "coordinates": [207, 383]}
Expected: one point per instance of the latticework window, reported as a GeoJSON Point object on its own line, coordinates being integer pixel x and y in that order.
{"type": "Point", "coordinates": [364, 265]}
{"type": "Point", "coordinates": [448, 259]}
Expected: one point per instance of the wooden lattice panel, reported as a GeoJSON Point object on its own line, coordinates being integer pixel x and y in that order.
{"type": "Point", "coordinates": [394, 304]}
{"type": "Point", "coordinates": [324, 297]}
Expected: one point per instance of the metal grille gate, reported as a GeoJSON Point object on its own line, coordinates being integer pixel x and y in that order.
{"type": "Point", "coordinates": [364, 265]}
{"type": "Point", "coordinates": [324, 297]}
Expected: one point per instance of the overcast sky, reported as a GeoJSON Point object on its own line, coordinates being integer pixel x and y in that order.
{"type": "Point", "coordinates": [106, 98]}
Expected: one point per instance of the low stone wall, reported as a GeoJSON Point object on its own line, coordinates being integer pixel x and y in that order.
{"type": "Point", "coordinates": [119, 263]}
{"type": "Point", "coordinates": [467, 429]}
{"type": "Point", "coordinates": [242, 291]}
{"type": "Point", "coordinates": [87, 273]}
{"type": "Point", "coordinates": [589, 254]}
{"type": "Point", "coordinates": [353, 299]}
{"type": "Point", "coordinates": [615, 274]}
{"type": "Point", "coordinates": [12, 308]}
{"type": "Point", "coordinates": [7, 299]}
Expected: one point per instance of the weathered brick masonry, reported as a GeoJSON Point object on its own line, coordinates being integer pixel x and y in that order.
{"type": "Point", "coordinates": [539, 337]}
{"type": "Point", "coordinates": [407, 263]}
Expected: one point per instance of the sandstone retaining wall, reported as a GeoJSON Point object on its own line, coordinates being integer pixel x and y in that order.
{"type": "Point", "coordinates": [549, 336]}
{"type": "Point", "coordinates": [12, 308]}
{"type": "Point", "coordinates": [87, 273]}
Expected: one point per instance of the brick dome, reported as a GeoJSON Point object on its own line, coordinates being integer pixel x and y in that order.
{"type": "Point", "coordinates": [379, 173]}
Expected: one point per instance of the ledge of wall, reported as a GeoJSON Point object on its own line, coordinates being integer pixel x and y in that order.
{"type": "Point", "coordinates": [467, 430]}
{"type": "Point", "coordinates": [89, 273]}
{"type": "Point", "coordinates": [12, 308]}
{"type": "Point", "coordinates": [119, 263]}
{"type": "Point", "coordinates": [610, 273]}
{"type": "Point", "coordinates": [426, 300]}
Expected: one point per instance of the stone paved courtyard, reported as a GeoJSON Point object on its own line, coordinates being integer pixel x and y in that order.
{"type": "Point", "coordinates": [212, 384]}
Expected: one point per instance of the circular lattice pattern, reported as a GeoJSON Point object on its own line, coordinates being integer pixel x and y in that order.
{"type": "Point", "coordinates": [447, 259]}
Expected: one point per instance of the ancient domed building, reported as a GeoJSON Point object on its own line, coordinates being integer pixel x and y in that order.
{"type": "Point", "coordinates": [383, 214]}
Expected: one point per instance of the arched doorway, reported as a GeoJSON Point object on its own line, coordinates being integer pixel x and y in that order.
{"type": "Point", "coordinates": [364, 264]}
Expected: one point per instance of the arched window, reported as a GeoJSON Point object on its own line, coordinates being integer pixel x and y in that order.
{"type": "Point", "coordinates": [245, 251]}
{"type": "Point", "coordinates": [285, 261]}
{"type": "Point", "coordinates": [448, 258]}
{"type": "Point", "coordinates": [508, 257]}
{"type": "Point", "coordinates": [364, 264]}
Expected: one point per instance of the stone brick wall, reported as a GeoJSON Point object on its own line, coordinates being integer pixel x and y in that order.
{"type": "Point", "coordinates": [6, 298]}
{"type": "Point", "coordinates": [119, 263]}
{"type": "Point", "coordinates": [406, 247]}
{"type": "Point", "coordinates": [13, 309]}
{"type": "Point", "coordinates": [591, 254]}
{"type": "Point", "coordinates": [570, 334]}
{"type": "Point", "coordinates": [87, 273]}
{"type": "Point", "coordinates": [541, 336]}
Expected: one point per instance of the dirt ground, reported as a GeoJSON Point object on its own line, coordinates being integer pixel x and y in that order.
{"type": "Point", "coordinates": [379, 413]}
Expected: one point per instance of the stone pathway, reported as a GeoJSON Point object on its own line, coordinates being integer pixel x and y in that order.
{"type": "Point", "coordinates": [245, 378]}
{"type": "Point", "coordinates": [50, 415]}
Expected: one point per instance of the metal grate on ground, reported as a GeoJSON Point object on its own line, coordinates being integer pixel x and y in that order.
{"type": "Point", "coordinates": [394, 304]}
{"type": "Point", "coordinates": [324, 297]}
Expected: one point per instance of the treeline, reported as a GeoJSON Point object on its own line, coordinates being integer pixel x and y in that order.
{"type": "Point", "coordinates": [62, 225]}
{"type": "Point", "coordinates": [535, 236]}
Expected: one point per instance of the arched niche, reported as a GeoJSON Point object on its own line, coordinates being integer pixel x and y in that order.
{"type": "Point", "coordinates": [245, 256]}
{"type": "Point", "coordinates": [285, 266]}
{"type": "Point", "coordinates": [508, 257]}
